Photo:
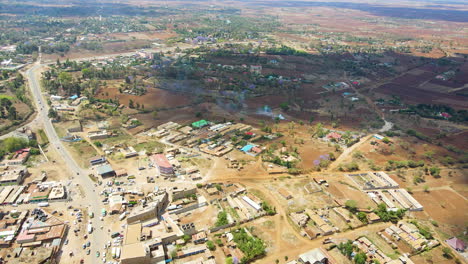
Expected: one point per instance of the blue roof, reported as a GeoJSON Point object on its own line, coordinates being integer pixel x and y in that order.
{"type": "Point", "coordinates": [247, 148]}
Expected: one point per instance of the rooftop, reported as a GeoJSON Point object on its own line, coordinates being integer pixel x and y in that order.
{"type": "Point", "coordinates": [104, 169]}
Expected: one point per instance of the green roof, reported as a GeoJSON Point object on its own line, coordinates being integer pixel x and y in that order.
{"type": "Point", "coordinates": [104, 169]}
{"type": "Point", "coordinates": [200, 123]}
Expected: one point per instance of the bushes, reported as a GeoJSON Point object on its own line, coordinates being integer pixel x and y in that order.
{"type": "Point", "coordinates": [398, 164]}
{"type": "Point", "coordinates": [252, 247]}
{"type": "Point", "coordinates": [210, 245]}
{"type": "Point", "coordinates": [353, 166]}
{"type": "Point", "coordinates": [386, 216]}
{"type": "Point", "coordinates": [268, 209]}
{"type": "Point", "coordinates": [351, 205]}
{"type": "Point", "coordinates": [222, 219]}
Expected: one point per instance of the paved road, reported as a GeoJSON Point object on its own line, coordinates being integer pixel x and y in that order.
{"type": "Point", "coordinates": [92, 199]}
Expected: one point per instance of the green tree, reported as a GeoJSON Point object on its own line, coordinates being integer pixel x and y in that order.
{"type": "Point", "coordinates": [360, 258]}
{"type": "Point", "coordinates": [351, 205]}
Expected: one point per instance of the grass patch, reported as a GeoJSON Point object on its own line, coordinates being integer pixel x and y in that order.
{"type": "Point", "coordinates": [9, 97]}
{"type": "Point", "coordinates": [82, 152]}
{"type": "Point", "coordinates": [44, 140]}
{"type": "Point", "coordinates": [92, 177]}
{"type": "Point", "coordinates": [150, 146]}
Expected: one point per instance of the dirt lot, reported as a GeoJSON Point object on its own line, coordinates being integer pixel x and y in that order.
{"type": "Point", "coordinates": [446, 207]}
{"type": "Point", "coordinates": [153, 99]}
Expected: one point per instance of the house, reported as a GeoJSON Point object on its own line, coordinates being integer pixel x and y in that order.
{"type": "Point", "coordinates": [75, 126]}
{"type": "Point", "coordinates": [256, 69]}
{"type": "Point", "coordinates": [100, 134]}
{"type": "Point", "coordinates": [199, 237]}
{"type": "Point", "coordinates": [373, 217]}
{"type": "Point", "coordinates": [19, 158]}
{"type": "Point", "coordinates": [457, 244]}
{"type": "Point", "coordinates": [334, 136]}
{"type": "Point", "coordinates": [286, 195]}
{"type": "Point", "coordinates": [314, 256]}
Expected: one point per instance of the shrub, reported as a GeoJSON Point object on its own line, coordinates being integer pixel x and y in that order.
{"type": "Point", "coordinates": [210, 245]}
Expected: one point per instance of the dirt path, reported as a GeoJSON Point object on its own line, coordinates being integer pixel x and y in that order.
{"type": "Point", "coordinates": [347, 152]}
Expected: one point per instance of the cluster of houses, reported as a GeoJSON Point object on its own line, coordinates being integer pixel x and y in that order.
{"type": "Point", "coordinates": [410, 235]}
{"type": "Point", "coordinates": [209, 138]}
{"type": "Point", "coordinates": [375, 255]}
{"type": "Point", "coordinates": [30, 236]}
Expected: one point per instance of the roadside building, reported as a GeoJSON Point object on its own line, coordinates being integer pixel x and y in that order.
{"type": "Point", "coordinates": [105, 171]}
{"type": "Point", "coordinates": [13, 175]}
{"type": "Point", "coordinates": [162, 163]}
{"type": "Point", "coordinates": [75, 126]}
{"type": "Point", "coordinates": [97, 160]}
{"type": "Point", "coordinates": [457, 244]}
{"type": "Point", "coordinates": [151, 210]}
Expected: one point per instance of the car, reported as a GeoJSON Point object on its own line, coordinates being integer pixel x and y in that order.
{"type": "Point", "coordinates": [88, 251]}
{"type": "Point", "coordinates": [54, 212]}
{"type": "Point", "coordinates": [81, 261]}
{"type": "Point", "coordinates": [97, 254]}
{"type": "Point", "coordinates": [84, 246]}
{"type": "Point", "coordinates": [66, 242]}
{"type": "Point", "coordinates": [88, 244]}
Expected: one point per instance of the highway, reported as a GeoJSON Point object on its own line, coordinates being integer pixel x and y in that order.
{"type": "Point", "coordinates": [92, 199]}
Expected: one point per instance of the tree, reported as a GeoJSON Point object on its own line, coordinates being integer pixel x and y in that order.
{"type": "Point", "coordinates": [447, 253]}
{"type": "Point", "coordinates": [284, 106]}
{"type": "Point", "coordinates": [131, 104]}
{"type": "Point", "coordinates": [426, 188]}
{"type": "Point", "coordinates": [360, 258]}
{"type": "Point", "coordinates": [386, 140]}
{"type": "Point", "coordinates": [362, 217]}
{"type": "Point", "coordinates": [52, 113]}
{"type": "Point", "coordinates": [351, 205]}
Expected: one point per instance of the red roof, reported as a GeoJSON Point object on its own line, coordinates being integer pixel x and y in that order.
{"type": "Point", "coordinates": [334, 135]}
{"type": "Point", "coordinates": [161, 161]}
{"type": "Point", "coordinates": [456, 243]}
{"type": "Point", "coordinates": [249, 133]}
{"type": "Point", "coordinates": [256, 150]}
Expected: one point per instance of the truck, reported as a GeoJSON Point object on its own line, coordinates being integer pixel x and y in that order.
{"type": "Point", "coordinates": [43, 204]}
{"type": "Point", "coordinates": [122, 216]}
{"type": "Point", "coordinates": [90, 228]}
{"type": "Point", "coordinates": [117, 253]}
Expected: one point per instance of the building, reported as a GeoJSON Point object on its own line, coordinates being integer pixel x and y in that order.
{"type": "Point", "coordinates": [457, 244]}
{"type": "Point", "coordinates": [19, 158]}
{"type": "Point", "coordinates": [75, 126]}
{"type": "Point", "coordinates": [162, 163]}
{"type": "Point", "coordinates": [257, 69]}
{"type": "Point", "coordinates": [105, 171]}
{"type": "Point", "coordinates": [314, 256]}
{"type": "Point", "coordinates": [97, 160]}
{"type": "Point", "coordinates": [136, 253]}
{"type": "Point", "coordinates": [100, 134]}
{"type": "Point", "coordinates": [151, 210]}
{"type": "Point", "coordinates": [57, 192]}
{"type": "Point", "coordinates": [199, 237]}
{"type": "Point", "coordinates": [13, 176]}
{"type": "Point", "coordinates": [183, 193]}
{"type": "Point", "coordinates": [199, 124]}
{"type": "Point", "coordinates": [286, 195]}
{"type": "Point", "coordinates": [129, 152]}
